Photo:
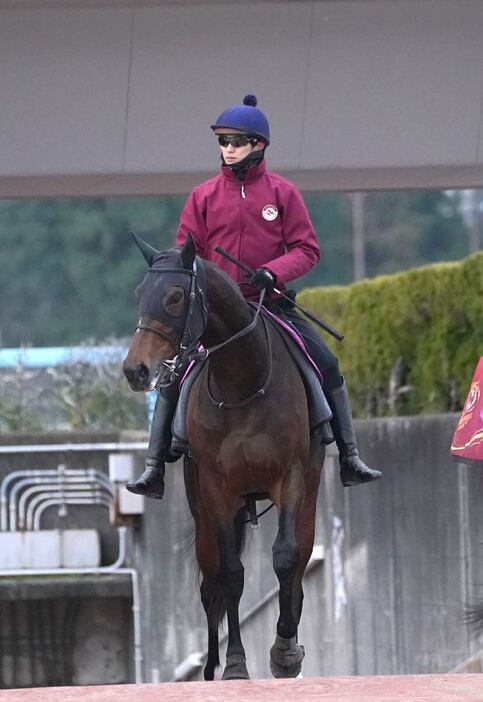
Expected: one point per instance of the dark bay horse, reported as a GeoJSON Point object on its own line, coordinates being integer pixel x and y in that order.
{"type": "Point", "coordinates": [248, 431]}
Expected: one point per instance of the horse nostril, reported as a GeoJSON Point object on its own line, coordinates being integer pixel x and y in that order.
{"type": "Point", "coordinates": [142, 372]}
{"type": "Point", "coordinates": [137, 376]}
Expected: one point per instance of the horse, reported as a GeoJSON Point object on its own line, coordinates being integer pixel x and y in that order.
{"type": "Point", "coordinates": [247, 396]}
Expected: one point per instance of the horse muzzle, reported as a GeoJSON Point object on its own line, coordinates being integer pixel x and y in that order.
{"type": "Point", "coordinates": [138, 376]}
{"type": "Point", "coordinates": [145, 360]}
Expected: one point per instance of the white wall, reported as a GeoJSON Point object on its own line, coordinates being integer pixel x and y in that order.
{"type": "Point", "coordinates": [107, 97]}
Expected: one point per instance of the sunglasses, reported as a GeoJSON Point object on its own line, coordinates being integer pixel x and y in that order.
{"type": "Point", "coordinates": [236, 140]}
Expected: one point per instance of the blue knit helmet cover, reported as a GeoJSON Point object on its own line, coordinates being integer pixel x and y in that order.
{"type": "Point", "coordinates": [246, 117]}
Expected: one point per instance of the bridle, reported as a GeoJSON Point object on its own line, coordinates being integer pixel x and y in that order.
{"type": "Point", "coordinates": [187, 342]}
{"type": "Point", "coordinates": [182, 340]}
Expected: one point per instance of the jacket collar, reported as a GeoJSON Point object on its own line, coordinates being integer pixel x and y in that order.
{"type": "Point", "coordinates": [253, 173]}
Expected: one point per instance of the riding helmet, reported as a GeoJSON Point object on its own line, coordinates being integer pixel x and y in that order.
{"type": "Point", "coordinates": [246, 118]}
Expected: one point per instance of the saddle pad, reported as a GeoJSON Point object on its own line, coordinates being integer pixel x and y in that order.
{"type": "Point", "coordinates": [319, 410]}
{"type": "Point", "coordinates": [178, 426]}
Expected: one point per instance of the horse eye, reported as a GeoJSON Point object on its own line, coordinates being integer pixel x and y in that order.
{"type": "Point", "coordinates": [173, 302]}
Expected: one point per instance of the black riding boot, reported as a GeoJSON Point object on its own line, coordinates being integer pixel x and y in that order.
{"type": "Point", "coordinates": [353, 470]}
{"type": "Point", "coordinates": [151, 482]}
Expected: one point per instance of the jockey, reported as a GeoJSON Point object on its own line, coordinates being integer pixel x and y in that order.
{"type": "Point", "coordinates": [261, 219]}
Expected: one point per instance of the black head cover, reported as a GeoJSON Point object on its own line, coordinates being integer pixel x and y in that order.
{"type": "Point", "coordinates": [171, 272]}
{"type": "Point", "coordinates": [188, 252]}
{"type": "Point", "coordinates": [147, 250]}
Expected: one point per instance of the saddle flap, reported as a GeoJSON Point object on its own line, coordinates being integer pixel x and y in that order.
{"type": "Point", "coordinates": [319, 410]}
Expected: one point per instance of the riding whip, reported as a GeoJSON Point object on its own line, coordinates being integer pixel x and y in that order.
{"type": "Point", "coordinates": [323, 325]}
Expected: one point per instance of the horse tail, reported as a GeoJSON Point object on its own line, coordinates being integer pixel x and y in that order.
{"type": "Point", "coordinates": [217, 608]}
{"type": "Point", "coordinates": [473, 618]}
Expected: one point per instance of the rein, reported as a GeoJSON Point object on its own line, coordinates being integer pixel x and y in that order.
{"type": "Point", "coordinates": [261, 391]}
{"type": "Point", "coordinates": [204, 353]}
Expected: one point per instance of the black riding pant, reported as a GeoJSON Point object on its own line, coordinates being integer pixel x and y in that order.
{"type": "Point", "coordinates": [326, 361]}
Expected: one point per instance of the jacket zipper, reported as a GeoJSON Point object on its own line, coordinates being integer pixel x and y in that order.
{"type": "Point", "coordinates": [240, 243]}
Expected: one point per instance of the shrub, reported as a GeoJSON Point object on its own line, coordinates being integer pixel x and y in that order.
{"type": "Point", "coordinates": [412, 339]}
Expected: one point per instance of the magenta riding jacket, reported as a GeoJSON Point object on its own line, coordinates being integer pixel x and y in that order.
{"type": "Point", "coordinates": [262, 221]}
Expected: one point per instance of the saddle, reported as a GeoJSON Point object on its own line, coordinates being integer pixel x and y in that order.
{"type": "Point", "coordinates": [319, 410]}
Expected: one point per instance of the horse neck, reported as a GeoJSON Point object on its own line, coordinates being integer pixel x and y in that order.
{"type": "Point", "coordinates": [240, 367]}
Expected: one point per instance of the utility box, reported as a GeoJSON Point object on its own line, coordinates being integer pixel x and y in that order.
{"type": "Point", "coordinates": [121, 467]}
{"type": "Point", "coordinates": [42, 549]}
{"type": "Point", "coordinates": [49, 549]}
{"type": "Point", "coordinates": [11, 550]}
{"type": "Point", "coordinates": [121, 470]}
{"type": "Point", "coordinates": [80, 548]}
{"type": "Point", "coordinates": [129, 502]}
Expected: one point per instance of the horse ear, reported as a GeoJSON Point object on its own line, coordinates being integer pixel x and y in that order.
{"type": "Point", "coordinates": [188, 252]}
{"type": "Point", "coordinates": [147, 250]}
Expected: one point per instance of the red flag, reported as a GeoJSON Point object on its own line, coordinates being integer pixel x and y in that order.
{"type": "Point", "coordinates": [467, 444]}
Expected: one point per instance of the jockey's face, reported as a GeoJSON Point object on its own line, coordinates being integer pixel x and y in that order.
{"type": "Point", "coordinates": [233, 154]}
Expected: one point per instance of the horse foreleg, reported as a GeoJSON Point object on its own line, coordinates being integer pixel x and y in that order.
{"type": "Point", "coordinates": [213, 659]}
{"type": "Point", "coordinates": [291, 552]}
{"type": "Point", "coordinates": [286, 654]}
{"type": "Point", "coordinates": [232, 581]}
{"type": "Point", "coordinates": [211, 598]}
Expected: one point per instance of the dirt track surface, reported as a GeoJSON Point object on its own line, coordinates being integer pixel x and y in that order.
{"type": "Point", "coordinates": [401, 688]}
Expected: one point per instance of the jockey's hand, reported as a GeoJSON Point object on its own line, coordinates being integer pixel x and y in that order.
{"type": "Point", "coordinates": [262, 278]}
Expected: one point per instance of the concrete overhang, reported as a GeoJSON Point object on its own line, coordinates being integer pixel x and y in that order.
{"type": "Point", "coordinates": [115, 98]}
{"type": "Point", "coordinates": [436, 178]}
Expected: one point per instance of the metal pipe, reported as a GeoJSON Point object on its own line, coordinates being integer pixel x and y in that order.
{"type": "Point", "coordinates": [25, 484]}
{"type": "Point", "coordinates": [136, 609]}
{"type": "Point", "coordinates": [68, 487]}
{"type": "Point", "coordinates": [42, 477]}
{"type": "Point", "coordinates": [102, 479]}
{"type": "Point", "coordinates": [91, 495]}
{"type": "Point", "coordinates": [17, 487]}
{"type": "Point", "coordinates": [65, 448]}
{"type": "Point", "coordinates": [33, 474]}
{"type": "Point", "coordinates": [113, 568]}
{"type": "Point", "coordinates": [35, 519]}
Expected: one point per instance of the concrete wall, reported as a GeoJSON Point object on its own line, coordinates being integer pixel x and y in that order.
{"type": "Point", "coordinates": [65, 630]}
{"type": "Point", "coordinates": [64, 641]}
{"type": "Point", "coordinates": [402, 556]}
{"type": "Point", "coordinates": [112, 97]}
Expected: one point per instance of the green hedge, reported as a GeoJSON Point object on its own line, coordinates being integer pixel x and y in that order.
{"type": "Point", "coordinates": [412, 340]}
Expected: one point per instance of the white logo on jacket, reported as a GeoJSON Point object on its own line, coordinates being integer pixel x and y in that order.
{"type": "Point", "coordinates": [269, 213]}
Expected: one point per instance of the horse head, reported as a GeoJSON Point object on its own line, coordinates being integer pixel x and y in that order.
{"type": "Point", "coordinates": [171, 313]}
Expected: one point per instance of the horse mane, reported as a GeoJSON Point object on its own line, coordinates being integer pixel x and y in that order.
{"type": "Point", "coordinates": [229, 282]}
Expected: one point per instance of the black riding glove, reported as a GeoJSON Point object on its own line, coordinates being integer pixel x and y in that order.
{"type": "Point", "coordinates": [262, 278]}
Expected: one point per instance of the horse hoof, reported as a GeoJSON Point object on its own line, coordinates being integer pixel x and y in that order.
{"type": "Point", "coordinates": [236, 668]}
{"type": "Point", "coordinates": [286, 656]}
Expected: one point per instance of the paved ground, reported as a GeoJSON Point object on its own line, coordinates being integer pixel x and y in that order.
{"type": "Point", "coordinates": [403, 688]}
